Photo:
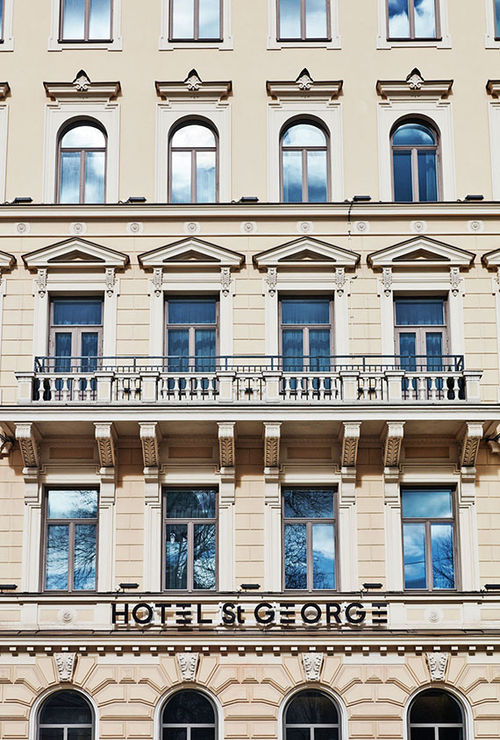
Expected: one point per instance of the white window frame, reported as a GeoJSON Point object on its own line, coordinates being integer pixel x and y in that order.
{"type": "Point", "coordinates": [385, 43]}
{"type": "Point", "coordinates": [160, 705]}
{"type": "Point", "coordinates": [8, 23]}
{"type": "Point", "coordinates": [4, 132]}
{"type": "Point", "coordinates": [334, 31]}
{"type": "Point", "coordinates": [165, 44]}
{"type": "Point", "coordinates": [35, 709]}
{"type": "Point", "coordinates": [447, 689]}
{"type": "Point", "coordinates": [490, 42]}
{"type": "Point", "coordinates": [169, 114]}
{"type": "Point", "coordinates": [341, 708]}
{"type": "Point", "coordinates": [494, 123]}
{"type": "Point", "coordinates": [330, 117]}
{"type": "Point", "coordinates": [116, 44]}
{"type": "Point", "coordinates": [440, 114]}
{"type": "Point", "coordinates": [60, 113]}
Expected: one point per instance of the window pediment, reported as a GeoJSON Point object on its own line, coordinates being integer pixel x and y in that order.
{"type": "Point", "coordinates": [193, 87]}
{"type": "Point", "coordinates": [421, 252]}
{"type": "Point", "coordinates": [414, 86]}
{"type": "Point", "coordinates": [7, 261]}
{"type": "Point", "coordinates": [304, 87]}
{"type": "Point", "coordinates": [191, 253]}
{"type": "Point", "coordinates": [491, 259]}
{"type": "Point", "coordinates": [75, 253]}
{"type": "Point", "coordinates": [82, 88]}
{"type": "Point", "coordinates": [306, 252]}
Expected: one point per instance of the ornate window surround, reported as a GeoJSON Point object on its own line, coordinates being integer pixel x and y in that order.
{"type": "Point", "coordinates": [335, 41]}
{"type": "Point", "coordinates": [383, 42]}
{"type": "Point", "coordinates": [193, 98]}
{"type": "Point", "coordinates": [414, 98]}
{"type": "Point", "coordinates": [35, 709]}
{"type": "Point", "coordinates": [214, 700]}
{"type": "Point", "coordinates": [325, 689]}
{"type": "Point", "coordinates": [446, 688]}
{"type": "Point", "coordinates": [116, 44]}
{"type": "Point", "coordinates": [301, 99]}
{"type": "Point", "coordinates": [82, 99]}
{"type": "Point", "coordinates": [165, 44]}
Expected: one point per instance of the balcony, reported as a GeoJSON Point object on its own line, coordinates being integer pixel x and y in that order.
{"type": "Point", "coordinates": [248, 380]}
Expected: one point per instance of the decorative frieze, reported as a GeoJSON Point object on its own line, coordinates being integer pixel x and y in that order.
{"type": "Point", "coordinates": [188, 663]}
{"type": "Point", "coordinates": [312, 663]}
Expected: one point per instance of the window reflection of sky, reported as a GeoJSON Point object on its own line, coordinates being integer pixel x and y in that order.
{"type": "Point", "coordinates": [428, 504]}
{"type": "Point", "coordinates": [399, 21]}
{"type": "Point", "coordinates": [72, 504]}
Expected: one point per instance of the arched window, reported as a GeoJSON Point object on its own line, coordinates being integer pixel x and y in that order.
{"type": "Point", "coordinates": [436, 715]}
{"type": "Point", "coordinates": [193, 164]}
{"type": "Point", "coordinates": [188, 715]}
{"type": "Point", "coordinates": [82, 164]}
{"type": "Point", "coordinates": [304, 163]}
{"type": "Point", "coordinates": [311, 715]}
{"type": "Point", "coordinates": [65, 715]}
{"type": "Point", "coordinates": [415, 162]}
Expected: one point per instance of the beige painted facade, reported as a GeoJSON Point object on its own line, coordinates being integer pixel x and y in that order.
{"type": "Point", "coordinates": [367, 427]}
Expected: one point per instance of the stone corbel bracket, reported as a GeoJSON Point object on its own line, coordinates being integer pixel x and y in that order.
{"type": "Point", "coordinates": [150, 436]}
{"type": "Point", "coordinates": [470, 441]}
{"type": "Point", "coordinates": [350, 434]}
{"type": "Point", "coordinates": [227, 438]}
{"type": "Point", "coordinates": [106, 439]}
{"type": "Point", "coordinates": [272, 436]}
{"type": "Point", "coordinates": [29, 438]}
{"type": "Point", "coordinates": [392, 439]}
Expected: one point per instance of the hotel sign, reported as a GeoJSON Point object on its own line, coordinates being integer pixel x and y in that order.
{"type": "Point", "coordinates": [262, 614]}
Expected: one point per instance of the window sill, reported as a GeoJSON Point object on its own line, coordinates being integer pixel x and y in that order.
{"type": "Point", "coordinates": [55, 44]}
{"type": "Point", "coordinates": [167, 44]}
{"type": "Point", "coordinates": [443, 42]}
{"type": "Point", "coordinates": [334, 43]}
{"type": "Point", "coordinates": [491, 42]}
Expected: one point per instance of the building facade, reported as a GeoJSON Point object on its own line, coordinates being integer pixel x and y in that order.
{"type": "Point", "coordinates": [250, 370]}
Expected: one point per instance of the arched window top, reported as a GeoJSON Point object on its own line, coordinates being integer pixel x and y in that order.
{"type": "Point", "coordinates": [194, 135]}
{"type": "Point", "coordinates": [414, 133]}
{"type": "Point", "coordinates": [188, 708]}
{"type": "Point", "coordinates": [311, 707]}
{"type": "Point", "coordinates": [435, 707]}
{"type": "Point", "coordinates": [83, 135]}
{"type": "Point", "coordinates": [304, 134]}
{"type": "Point", "coordinates": [66, 708]}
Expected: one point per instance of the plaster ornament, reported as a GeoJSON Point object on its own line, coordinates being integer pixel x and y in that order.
{"type": "Point", "coordinates": [340, 280]}
{"type": "Point", "coordinates": [387, 280]}
{"type": "Point", "coordinates": [312, 663]}
{"type": "Point", "coordinates": [81, 81]}
{"type": "Point", "coordinates": [41, 281]}
{"type": "Point", "coordinates": [157, 281]}
{"type": "Point", "coordinates": [305, 227]}
{"type": "Point", "coordinates": [135, 227]}
{"type": "Point", "coordinates": [272, 280]}
{"type": "Point", "coordinates": [193, 81]}
{"type": "Point", "coordinates": [418, 227]}
{"type": "Point", "coordinates": [249, 227]}
{"type": "Point", "coordinates": [78, 228]}
{"type": "Point", "coordinates": [188, 663]}
{"type": "Point", "coordinates": [65, 663]}
{"type": "Point", "coordinates": [23, 228]}
{"type": "Point", "coordinates": [110, 280]}
{"type": "Point", "coordinates": [225, 280]}
{"type": "Point", "coordinates": [304, 80]}
{"type": "Point", "coordinates": [415, 79]}
{"type": "Point", "coordinates": [192, 227]}
{"type": "Point", "coordinates": [455, 280]}
{"type": "Point", "coordinates": [476, 226]}
{"type": "Point", "coordinates": [362, 227]}
{"type": "Point", "coordinates": [437, 663]}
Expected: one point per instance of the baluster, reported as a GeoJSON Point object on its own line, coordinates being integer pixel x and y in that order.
{"type": "Point", "coordinates": [66, 389]}
{"type": "Point", "coordinates": [52, 389]}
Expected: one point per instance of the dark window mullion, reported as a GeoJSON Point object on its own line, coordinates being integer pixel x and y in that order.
{"type": "Point", "coordinates": [71, 554]}
{"type": "Point", "coordinates": [190, 556]}
{"type": "Point", "coordinates": [303, 28]}
{"type": "Point", "coordinates": [86, 31]}
{"type": "Point", "coordinates": [196, 20]}
{"type": "Point", "coordinates": [411, 11]}
{"type": "Point", "coordinates": [194, 185]}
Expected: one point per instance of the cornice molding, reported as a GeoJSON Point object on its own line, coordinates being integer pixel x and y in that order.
{"type": "Point", "coordinates": [194, 88]}
{"type": "Point", "coordinates": [493, 88]}
{"type": "Point", "coordinates": [414, 86]}
{"type": "Point", "coordinates": [82, 88]}
{"type": "Point", "coordinates": [192, 253]}
{"type": "Point", "coordinates": [304, 87]}
{"type": "Point", "coordinates": [421, 252]}
{"type": "Point", "coordinates": [4, 90]}
{"type": "Point", "coordinates": [74, 253]}
{"type": "Point", "coordinates": [307, 253]}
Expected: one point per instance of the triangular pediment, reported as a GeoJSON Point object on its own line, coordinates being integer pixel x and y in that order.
{"type": "Point", "coordinates": [75, 253]}
{"type": "Point", "coordinates": [191, 252]}
{"type": "Point", "coordinates": [306, 252]}
{"type": "Point", "coordinates": [491, 259]}
{"type": "Point", "coordinates": [7, 261]}
{"type": "Point", "coordinates": [421, 252]}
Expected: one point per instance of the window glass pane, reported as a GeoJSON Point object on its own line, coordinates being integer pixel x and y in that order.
{"type": "Point", "coordinates": [292, 176]}
{"type": "Point", "coordinates": [65, 708]}
{"type": "Point", "coordinates": [56, 569]}
{"type": "Point", "coordinates": [322, 733]}
{"type": "Point", "coordinates": [425, 19]}
{"type": "Point", "coordinates": [319, 349]}
{"type": "Point", "coordinates": [443, 570]}
{"type": "Point", "coordinates": [181, 177]}
{"type": "Point", "coordinates": [194, 135]}
{"type": "Point", "coordinates": [316, 23]}
{"type": "Point", "coordinates": [304, 311]}
{"type": "Point", "coordinates": [427, 176]}
{"type": "Point", "coordinates": [414, 555]}
{"type": "Point", "coordinates": [74, 19]}
{"type": "Point", "coordinates": [182, 19]}
{"type": "Point", "coordinates": [50, 733]}
{"type": "Point", "coordinates": [174, 733]}
{"type": "Point", "coordinates": [403, 189]}
{"type": "Point", "coordinates": [190, 504]}
{"type": "Point", "coordinates": [77, 311]}
{"type": "Point", "coordinates": [204, 556]}
{"type": "Point", "coordinates": [192, 311]}
{"type": "Point", "coordinates": [70, 177]}
{"type": "Point", "coordinates": [80, 733]}
{"type": "Point", "coordinates": [89, 344]}
{"type": "Point", "coordinates": [414, 134]}
{"type": "Point", "coordinates": [293, 349]}
{"type": "Point", "coordinates": [188, 707]}
{"type": "Point", "coordinates": [434, 349]}
{"type": "Point", "coordinates": [209, 19]}
{"type": "Point", "coordinates": [297, 733]}
{"type": "Point", "coordinates": [1, 20]}
{"type": "Point", "coordinates": [95, 163]}
{"type": "Point", "coordinates": [399, 19]}
{"type": "Point", "coordinates": [428, 503]}
{"type": "Point", "coordinates": [203, 733]}
{"type": "Point", "coordinates": [308, 503]}
{"type": "Point", "coordinates": [323, 545]}
{"type": "Point", "coordinates": [303, 135]}
{"type": "Point", "coordinates": [205, 349]}
{"type": "Point", "coordinates": [438, 705]}
{"type": "Point", "coordinates": [100, 19]}
{"type": "Point", "coordinates": [205, 177]}
{"type": "Point", "coordinates": [64, 504]}
{"type": "Point", "coordinates": [310, 708]}
{"type": "Point", "coordinates": [407, 350]}
{"type": "Point", "coordinates": [295, 556]}
{"type": "Point", "coordinates": [316, 177]}
{"type": "Point", "coordinates": [84, 577]}
{"type": "Point", "coordinates": [178, 348]}
{"type": "Point", "coordinates": [84, 136]}
{"type": "Point", "coordinates": [450, 733]}
{"type": "Point", "coordinates": [176, 556]}
{"type": "Point", "coordinates": [289, 19]}
{"type": "Point", "coordinates": [419, 311]}
{"type": "Point", "coordinates": [63, 349]}
{"type": "Point", "coordinates": [497, 18]}
{"type": "Point", "coordinates": [422, 733]}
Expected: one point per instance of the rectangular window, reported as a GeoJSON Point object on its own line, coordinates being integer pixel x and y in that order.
{"type": "Point", "coordinates": [192, 333]}
{"type": "Point", "coordinates": [2, 13]}
{"type": "Point", "coordinates": [412, 19]}
{"type": "Point", "coordinates": [303, 20]}
{"type": "Point", "coordinates": [75, 333]}
{"type": "Point", "coordinates": [70, 540]}
{"type": "Point", "coordinates": [196, 20]}
{"type": "Point", "coordinates": [306, 333]}
{"type": "Point", "coordinates": [421, 332]}
{"type": "Point", "coordinates": [309, 538]}
{"type": "Point", "coordinates": [496, 4]}
{"type": "Point", "coordinates": [428, 538]}
{"type": "Point", "coordinates": [85, 20]}
{"type": "Point", "coordinates": [190, 536]}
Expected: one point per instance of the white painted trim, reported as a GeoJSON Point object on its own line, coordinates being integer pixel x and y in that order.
{"type": "Point", "coordinates": [495, 285]}
{"type": "Point", "coordinates": [393, 535]}
{"type": "Point", "coordinates": [347, 537]}
{"type": "Point", "coordinates": [384, 43]}
{"type": "Point", "coordinates": [157, 733]}
{"type": "Point", "coordinates": [168, 115]}
{"type": "Point", "coordinates": [490, 42]}
{"type": "Point", "coordinates": [35, 708]}
{"type": "Point", "coordinates": [57, 114]}
{"type": "Point", "coordinates": [330, 116]}
{"type": "Point", "coordinates": [464, 704]}
{"type": "Point", "coordinates": [494, 120]}
{"type": "Point", "coordinates": [335, 38]}
{"type": "Point", "coordinates": [4, 134]}
{"type": "Point", "coordinates": [152, 536]}
{"type": "Point", "coordinates": [227, 38]}
{"type": "Point", "coordinates": [3, 292]}
{"type": "Point", "coordinates": [440, 113]}
{"type": "Point", "coordinates": [8, 24]}
{"type": "Point", "coordinates": [319, 686]}
{"type": "Point", "coordinates": [116, 44]}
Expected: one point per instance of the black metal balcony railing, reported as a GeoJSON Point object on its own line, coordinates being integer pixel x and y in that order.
{"type": "Point", "coordinates": [249, 379]}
